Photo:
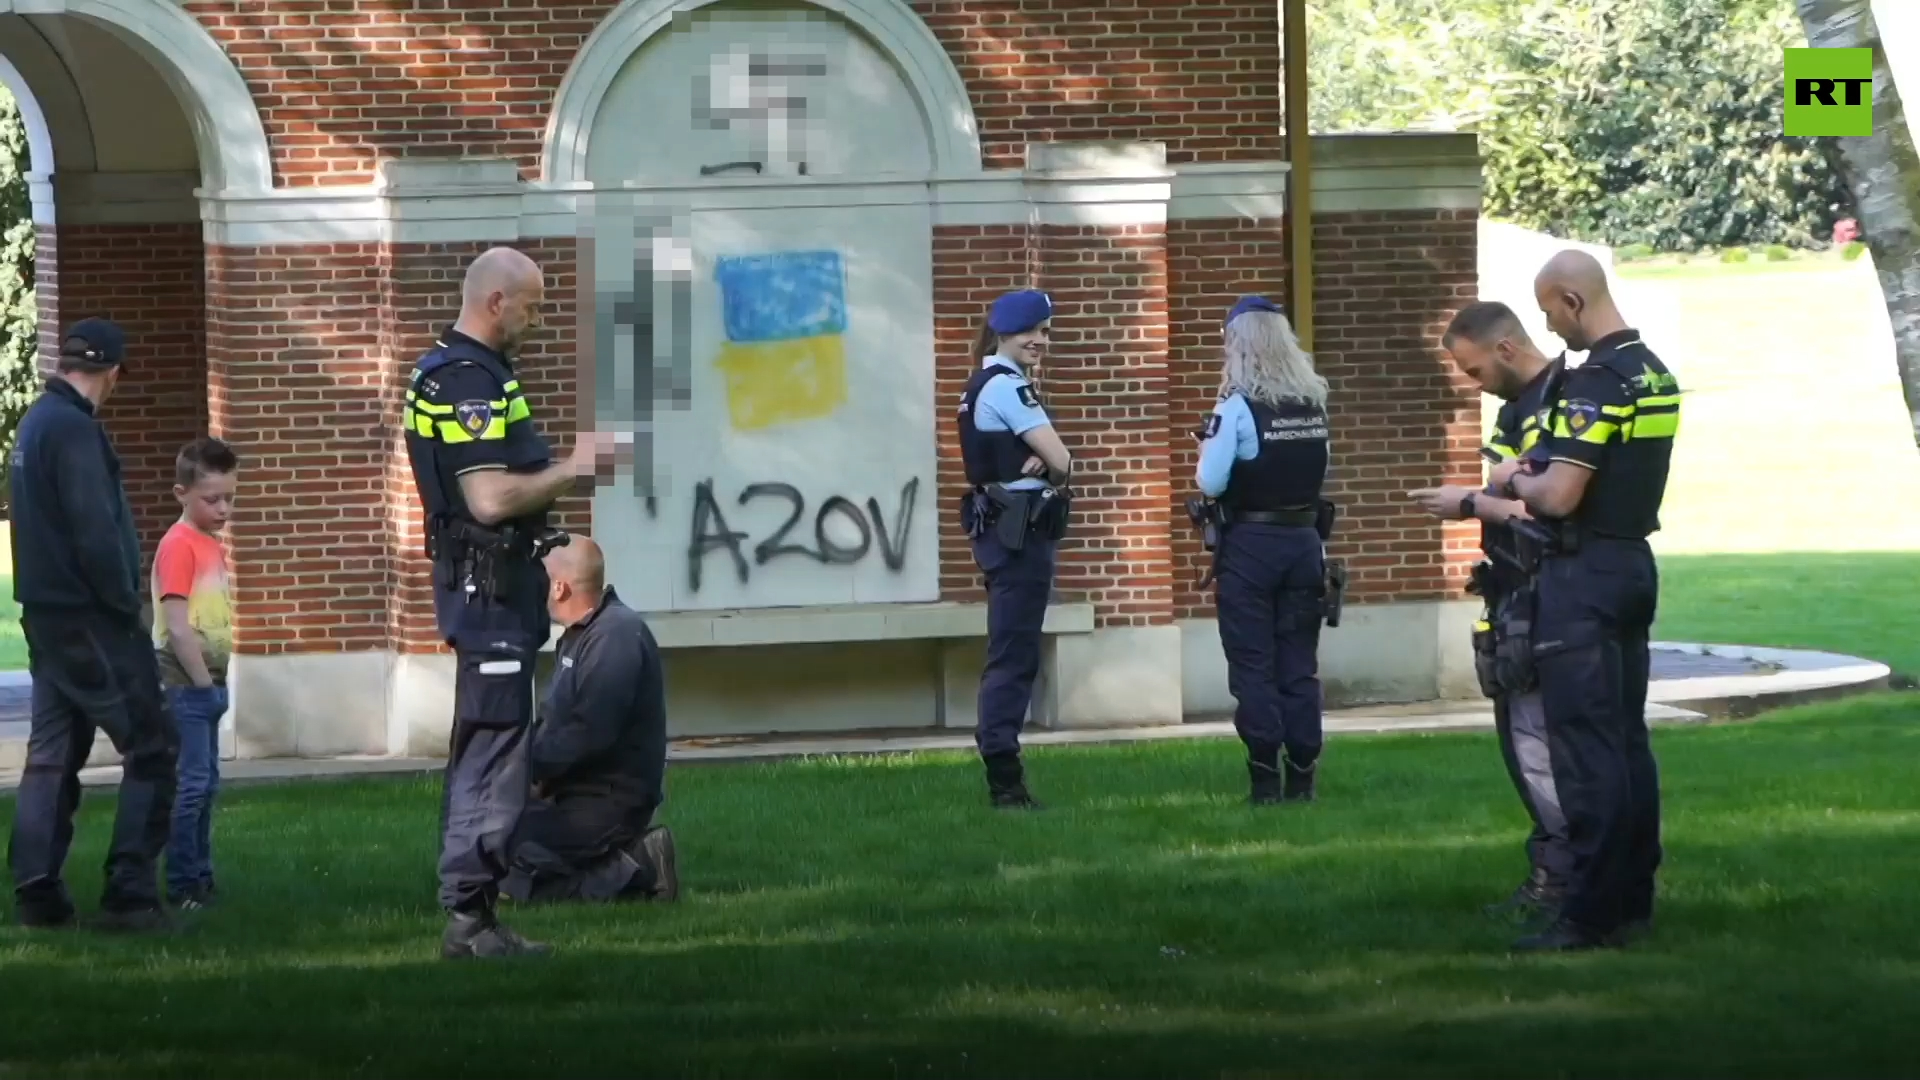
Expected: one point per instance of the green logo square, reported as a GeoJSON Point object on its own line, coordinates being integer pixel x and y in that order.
{"type": "Point", "coordinates": [1829, 92]}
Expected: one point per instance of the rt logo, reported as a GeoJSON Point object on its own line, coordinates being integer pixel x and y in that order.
{"type": "Point", "coordinates": [1829, 92]}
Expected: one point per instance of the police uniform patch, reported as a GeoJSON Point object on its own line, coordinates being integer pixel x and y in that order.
{"type": "Point", "coordinates": [1213, 426]}
{"type": "Point", "coordinates": [1027, 396]}
{"type": "Point", "coordinates": [1581, 414]}
{"type": "Point", "coordinates": [473, 415]}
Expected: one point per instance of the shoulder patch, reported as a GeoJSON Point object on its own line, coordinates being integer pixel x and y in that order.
{"type": "Point", "coordinates": [1581, 414]}
{"type": "Point", "coordinates": [1213, 426]}
{"type": "Point", "coordinates": [1028, 396]}
{"type": "Point", "coordinates": [473, 415]}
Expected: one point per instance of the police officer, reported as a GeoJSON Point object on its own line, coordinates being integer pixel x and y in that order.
{"type": "Point", "coordinates": [1601, 485]}
{"type": "Point", "coordinates": [1263, 456]}
{"type": "Point", "coordinates": [486, 479]}
{"type": "Point", "coordinates": [1489, 346]}
{"type": "Point", "coordinates": [1014, 515]}
{"type": "Point", "coordinates": [77, 581]}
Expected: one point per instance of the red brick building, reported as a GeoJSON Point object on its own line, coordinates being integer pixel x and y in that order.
{"type": "Point", "coordinates": [277, 199]}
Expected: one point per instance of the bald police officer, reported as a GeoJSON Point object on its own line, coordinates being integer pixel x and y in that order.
{"type": "Point", "coordinates": [1015, 514]}
{"type": "Point", "coordinates": [1264, 458]}
{"type": "Point", "coordinates": [1601, 485]}
{"type": "Point", "coordinates": [486, 479]}
{"type": "Point", "coordinates": [1490, 346]}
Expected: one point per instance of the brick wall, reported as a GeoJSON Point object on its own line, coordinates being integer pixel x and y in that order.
{"type": "Point", "coordinates": [1385, 286]}
{"type": "Point", "coordinates": [296, 383]}
{"type": "Point", "coordinates": [1202, 77]}
{"type": "Point", "coordinates": [341, 84]}
{"type": "Point", "coordinates": [150, 280]}
{"type": "Point", "coordinates": [1105, 387]}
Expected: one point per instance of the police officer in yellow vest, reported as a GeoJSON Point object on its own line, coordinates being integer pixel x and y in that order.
{"type": "Point", "coordinates": [1490, 346]}
{"type": "Point", "coordinates": [486, 479]}
{"type": "Point", "coordinates": [1599, 484]}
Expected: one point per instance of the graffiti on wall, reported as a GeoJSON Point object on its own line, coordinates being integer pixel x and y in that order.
{"type": "Point", "coordinates": [711, 533]}
{"type": "Point", "coordinates": [784, 357]}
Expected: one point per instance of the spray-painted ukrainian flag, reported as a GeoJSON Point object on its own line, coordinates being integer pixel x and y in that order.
{"type": "Point", "coordinates": [784, 358]}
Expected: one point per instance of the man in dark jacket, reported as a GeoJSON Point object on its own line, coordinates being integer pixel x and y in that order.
{"type": "Point", "coordinates": [598, 754]}
{"type": "Point", "coordinates": [76, 578]}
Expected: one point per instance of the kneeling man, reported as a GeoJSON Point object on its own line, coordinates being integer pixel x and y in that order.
{"type": "Point", "coordinates": [598, 753]}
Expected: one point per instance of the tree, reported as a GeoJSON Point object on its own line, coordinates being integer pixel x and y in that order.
{"type": "Point", "coordinates": [1884, 173]}
{"type": "Point", "coordinates": [19, 316]}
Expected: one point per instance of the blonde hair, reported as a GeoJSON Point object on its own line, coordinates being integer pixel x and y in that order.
{"type": "Point", "coordinates": [1265, 362]}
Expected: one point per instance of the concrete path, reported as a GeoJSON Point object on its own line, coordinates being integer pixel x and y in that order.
{"type": "Point", "coordinates": [1691, 684]}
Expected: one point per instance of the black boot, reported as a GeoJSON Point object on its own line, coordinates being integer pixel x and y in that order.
{"type": "Point", "coordinates": [1006, 783]}
{"type": "Point", "coordinates": [657, 846]}
{"type": "Point", "coordinates": [1263, 775]}
{"type": "Point", "coordinates": [1536, 898]}
{"type": "Point", "coordinates": [1299, 786]}
{"type": "Point", "coordinates": [479, 935]}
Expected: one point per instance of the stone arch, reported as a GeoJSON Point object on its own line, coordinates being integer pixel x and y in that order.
{"type": "Point", "coordinates": [942, 96]}
{"type": "Point", "coordinates": [39, 133]}
{"type": "Point", "coordinates": [226, 124]}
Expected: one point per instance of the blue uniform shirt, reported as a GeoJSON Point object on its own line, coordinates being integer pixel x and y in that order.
{"type": "Point", "coordinates": [1002, 407]}
{"type": "Point", "coordinates": [1231, 436]}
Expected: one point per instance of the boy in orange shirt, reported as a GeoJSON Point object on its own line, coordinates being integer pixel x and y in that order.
{"type": "Point", "coordinates": [192, 633]}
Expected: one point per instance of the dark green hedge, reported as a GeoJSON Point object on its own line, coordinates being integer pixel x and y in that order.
{"type": "Point", "coordinates": [1652, 122]}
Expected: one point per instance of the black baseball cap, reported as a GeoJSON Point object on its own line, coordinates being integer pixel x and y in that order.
{"type": "Point", "coordinates": [97, 341]}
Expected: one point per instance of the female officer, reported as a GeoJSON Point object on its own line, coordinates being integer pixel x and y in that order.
{"type": "Point", "coordinates": [1264, 457]}
{"type": "Point", "coordinates": [1014, 461]}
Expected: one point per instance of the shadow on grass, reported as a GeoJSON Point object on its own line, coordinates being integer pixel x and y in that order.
{"type": "Point", "coordinates": [848, 920]}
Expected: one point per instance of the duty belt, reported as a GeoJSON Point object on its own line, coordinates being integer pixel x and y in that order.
{"type": "Point", "coordinates": [1302, 517]}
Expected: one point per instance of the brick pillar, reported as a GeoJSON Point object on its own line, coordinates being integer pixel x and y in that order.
{"type": "Point", "coordinates": [1386, 282]}
{"type": "Point", "coordinates": [1105, 385]}
{"type": "Point", "coordinates": [149, 279]}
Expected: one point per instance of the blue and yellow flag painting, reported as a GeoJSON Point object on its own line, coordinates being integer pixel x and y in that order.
{"type": "Point", "coordinates": [784, 358]}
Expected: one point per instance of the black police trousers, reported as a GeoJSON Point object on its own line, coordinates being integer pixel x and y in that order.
{"type": "Point", "coordinates": [1268, 593]}
{"type": "Point", "coordinates": [486, 775]}
{"type": "Point", "coordinates": [1520, 722]}
{"type": "Point", "coordinates": [1018, 586]}
{"type": "Point", "coordinates": [92, 672]}
{"type": "Point", "coordinates": [1591, 652]}
{"type": "Point", "coordinates": [575, 846]}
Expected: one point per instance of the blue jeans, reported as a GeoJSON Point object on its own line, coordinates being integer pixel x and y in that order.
{"type": "Point", "coordinates": [190, 842]}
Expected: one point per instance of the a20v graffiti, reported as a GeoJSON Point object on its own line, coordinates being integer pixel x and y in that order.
{"type": "Point", "coordinates": [711, 533]}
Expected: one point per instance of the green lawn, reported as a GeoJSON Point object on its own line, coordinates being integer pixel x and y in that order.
{"type": "Point", "coordinates": [869, 917]}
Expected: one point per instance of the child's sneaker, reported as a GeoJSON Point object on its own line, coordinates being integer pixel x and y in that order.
{"type": "Point", "coordinates": [200, 896]}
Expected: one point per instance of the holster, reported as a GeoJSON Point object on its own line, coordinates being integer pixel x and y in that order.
{"type": "Point", "coordinates": [1513, 665]}
{"type": "Point", "coordinates": [1486, 657]}
{"type": "Point", "coordinates": [1323, 514]}
{"type": "Point", "coordinates": [1333, 596]}
{"type": "Point", "coordinates": [485, 560]}
{"type": "Point", "coordinates": [1008, 515]}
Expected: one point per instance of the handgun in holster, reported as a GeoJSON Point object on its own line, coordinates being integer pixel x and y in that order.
{"type": "Point", "coordinates": [1010, 514]}
{"type": "Point", "coordinates": [1333, 597]}
{"type": "Point", "coordinates": [1209, 518]}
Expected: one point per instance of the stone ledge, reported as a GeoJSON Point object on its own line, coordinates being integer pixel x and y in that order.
{"type": "Point", "coordinates": [740, 628]}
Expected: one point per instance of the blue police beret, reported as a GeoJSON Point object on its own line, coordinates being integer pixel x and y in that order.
{"type": "Point", "coordinates": [1252, 303]}
{"type": "Point", "coordinates": [1019, 312]}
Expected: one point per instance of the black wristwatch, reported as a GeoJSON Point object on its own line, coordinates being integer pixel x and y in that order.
{"type": "Point", "coordinates": [1467, 507]}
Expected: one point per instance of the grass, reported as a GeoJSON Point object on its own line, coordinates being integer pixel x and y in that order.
{"type": "Point", "coordinates": [869, 917]}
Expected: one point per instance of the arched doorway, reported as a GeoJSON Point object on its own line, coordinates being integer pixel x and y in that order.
{"type": "Point", "coordinates": [131, 112]}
